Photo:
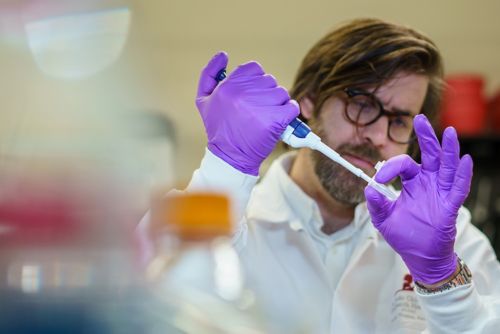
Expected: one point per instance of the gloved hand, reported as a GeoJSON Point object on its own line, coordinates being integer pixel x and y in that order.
{"type": "Point", "coordinates": [244, 115]}
{"type": "Point", "coordinates": [420, 224]}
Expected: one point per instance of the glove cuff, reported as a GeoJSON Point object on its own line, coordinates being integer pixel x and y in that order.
{"type": "Point", "coordinates": [250, 170]}
{"type": "Point", "coordinates": [435, 271]}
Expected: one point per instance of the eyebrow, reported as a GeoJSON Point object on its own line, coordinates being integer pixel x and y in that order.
{"type": "Point", "coordinates": [399, 112]}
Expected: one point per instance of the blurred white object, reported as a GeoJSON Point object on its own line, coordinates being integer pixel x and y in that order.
{"type": "Point", "coordinates": [80, 45]}
{"type": "Point", "coordinates": [197, 280]}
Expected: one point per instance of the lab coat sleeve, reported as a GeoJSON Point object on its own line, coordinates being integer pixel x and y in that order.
{"type": "Point", "coordinates": [460, 310]}
{"type": "Point", "coordinates": [216, 175]}
{"type": "Point", "coordinates": [472, 308]}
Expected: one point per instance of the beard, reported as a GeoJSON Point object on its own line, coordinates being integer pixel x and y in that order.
{"type": "Point", "coordinates": [340, 183]}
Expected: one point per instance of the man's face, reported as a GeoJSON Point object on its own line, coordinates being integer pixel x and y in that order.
{"type": "Point", "coordinates": [362, 146]}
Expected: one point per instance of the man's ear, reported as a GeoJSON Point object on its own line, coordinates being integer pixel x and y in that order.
{"type": "Point", "coordinates": [306, 108]}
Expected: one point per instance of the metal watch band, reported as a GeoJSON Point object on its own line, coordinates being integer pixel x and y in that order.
{"type": "Point", "coordinates": [463, 277]}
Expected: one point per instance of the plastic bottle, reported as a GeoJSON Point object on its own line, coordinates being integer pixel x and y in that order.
{"type": "Point", "coordinates": [196, 274]}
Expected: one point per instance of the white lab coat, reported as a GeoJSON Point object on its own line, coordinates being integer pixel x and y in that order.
{"type": "Point", "coordinates": [374, 294]}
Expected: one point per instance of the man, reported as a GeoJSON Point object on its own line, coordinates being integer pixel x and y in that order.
{"type": "Point", "coordinates": [320, 258]}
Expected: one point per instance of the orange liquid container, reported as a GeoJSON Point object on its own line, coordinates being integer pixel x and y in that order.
{"type": "Point", "coordinates": [463, 105]}
{"type": "Point", "coordinates": [199, 216]}
{"type": "Point", "coordinates": [196, 278]}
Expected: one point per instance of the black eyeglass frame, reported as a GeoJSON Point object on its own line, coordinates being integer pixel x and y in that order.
{"type": "Point", "coordinates": [352, 92]}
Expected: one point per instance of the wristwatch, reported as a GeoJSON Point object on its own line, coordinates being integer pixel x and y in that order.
{"type": "Point", "coordinates": [463, 277]}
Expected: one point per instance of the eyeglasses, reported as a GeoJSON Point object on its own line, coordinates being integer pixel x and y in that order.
{"type": "Point", "coordinates": [363, 108]}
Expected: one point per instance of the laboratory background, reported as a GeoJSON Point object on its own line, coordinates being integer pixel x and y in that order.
{"type": "Point", "coordinates": [98, 111]}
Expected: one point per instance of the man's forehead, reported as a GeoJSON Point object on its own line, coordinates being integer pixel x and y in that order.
{"type": "Point", "coordinates": [404, 92]}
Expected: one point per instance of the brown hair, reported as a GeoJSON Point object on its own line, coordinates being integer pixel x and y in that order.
{"type": "Point", "coordinates": [368, 52]}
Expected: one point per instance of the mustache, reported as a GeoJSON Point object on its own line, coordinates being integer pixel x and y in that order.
{"type": "Point", "coordinates": [365, 151]}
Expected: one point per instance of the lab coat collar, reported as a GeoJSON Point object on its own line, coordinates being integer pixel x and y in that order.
{"type": "Point", "coordinates": [269, 204]}
{"type": "Point", "coordinates": [267, 201]}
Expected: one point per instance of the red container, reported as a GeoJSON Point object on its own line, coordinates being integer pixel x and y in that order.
{"type": "Point", "coordinates": [464, 105]}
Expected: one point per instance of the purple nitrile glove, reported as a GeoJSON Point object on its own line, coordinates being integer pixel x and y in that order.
{"type": "Point", "coordinates": [245, 114]}
{"type": "Point", "coordinates": [420, 224]}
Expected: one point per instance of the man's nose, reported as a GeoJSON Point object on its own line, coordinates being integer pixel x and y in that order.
{"type": "Point", "coordinates": [377, 133]}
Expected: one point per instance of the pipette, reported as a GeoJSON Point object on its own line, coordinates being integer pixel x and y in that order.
{"type": "Point", "coordinates": [297, 134]}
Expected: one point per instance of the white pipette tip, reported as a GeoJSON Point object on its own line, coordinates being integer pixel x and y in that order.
{"type": "Point", "coordinates": [383, 189]}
